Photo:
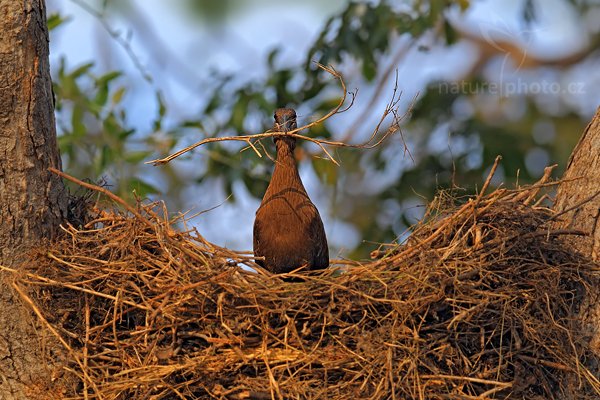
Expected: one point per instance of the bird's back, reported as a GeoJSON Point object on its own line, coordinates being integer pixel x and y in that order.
{"type": "Point", "coordinates": [288, 230]}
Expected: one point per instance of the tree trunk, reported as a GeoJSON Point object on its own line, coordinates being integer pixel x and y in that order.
{"type": "Point", "coordinates": [578, 195]}
{"type": "Point", "coordinates": [578, 205]}
{"type": "Point", "coordinates": [32, 200]}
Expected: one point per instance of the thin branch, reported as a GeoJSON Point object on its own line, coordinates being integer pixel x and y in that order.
{"type": "Point", "coordinates": [392, 66]}
{"type": "Point", "coordinates": [576, 206]}
{"type": "Point", "coordinates": [489, 177]}
{"type": "Point", "coordinates": [391, 108]}
{"type": "Point", "coordinates": [104, 191]}
{"type": "Point", "coordinates": [254, 148]}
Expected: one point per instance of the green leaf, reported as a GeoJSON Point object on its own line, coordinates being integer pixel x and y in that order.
{"type": "Point", "coordinates": [369, 70]}
{"type": "Point", "coordinates": [102, 84]}
{"type": "Point", "coordinates": [436, 7]}
{"type": "Point", "coordinates": [450, 33]}
{"type": "Point", "coordinates": [118, 95]}
{"type": "Point", "coordinates": [101, 97]}
{"type": "Point", "coordinates": [54, 20]}
{"type": "Point", "coordinates": [329, 103]}
{"type": "Point", "coordinates": [106, 78]}
{"type": "Point", "coordinates": [321, 131]}
{"type": "Point", "coordinates": [106, 159]}
{"type": "Point", "coordinates": [124, 134]}
{"type": "Point", "coordinates": [112, 126]}
{"type": "Point", "coordinates": [271, 57]}
{"type": "Point", "coordinates": [162, 110]}
{"type": "Point", "coordinates": [65, 144]}
{"type": "Point", "coordinates": [192, 124]}
{"type": "Point", "coordinates": [68, 88]}
{"type": "Point", "coordinates": [81, 70]}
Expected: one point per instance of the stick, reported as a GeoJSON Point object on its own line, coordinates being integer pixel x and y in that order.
{"type": "Point", "coordinates": [489, 177]}
{"type": "Point", "coordinates": [391, 108]}
{"type": "Point", "coordinates": [104, 191]}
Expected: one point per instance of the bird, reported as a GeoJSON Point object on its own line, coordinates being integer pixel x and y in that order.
{"type": "Point", "coordinates": [288, 230]}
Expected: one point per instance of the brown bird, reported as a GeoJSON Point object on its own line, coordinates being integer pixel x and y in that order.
{"type": "Point", "coordinates": [288, 231]}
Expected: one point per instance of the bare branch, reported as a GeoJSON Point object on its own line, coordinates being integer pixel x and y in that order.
{"type": "Point", "coordinates": [102, 190]}
{"type": "Point", "coordinates": [489, 177]}
{"type": "Point", "coordinates": [391, 108]}
{"type": "Point", "coordinates": [381, 84]}
{"type": "Point", "coordinates": [253, 148]}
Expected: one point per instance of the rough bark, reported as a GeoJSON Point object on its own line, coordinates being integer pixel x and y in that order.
{"type": "Point", "coordinates": [578, 204]}
{"type": "Point", "coordinates": [578, 195]}
{"type": "Point", "coordinates": [32, 200]}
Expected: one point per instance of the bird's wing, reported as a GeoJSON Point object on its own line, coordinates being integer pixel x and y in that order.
{"type": "Point", "coordinates": [319, 239]}
{"type": "Point", "coordinates": [256, 241]}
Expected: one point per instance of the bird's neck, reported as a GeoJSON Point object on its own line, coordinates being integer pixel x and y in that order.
{"type": "Point", "coordinates": [286, 171]}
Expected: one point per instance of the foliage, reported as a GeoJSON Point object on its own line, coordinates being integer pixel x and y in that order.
{"type": "Point", "coordinates": [94, 136]}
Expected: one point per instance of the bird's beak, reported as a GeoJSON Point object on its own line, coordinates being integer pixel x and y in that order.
{"type": "Point", "coordinates": [287, 124]}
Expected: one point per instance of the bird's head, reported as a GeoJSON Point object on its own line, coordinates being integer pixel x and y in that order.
{"type": "Point", "coordinates": [285, 121]}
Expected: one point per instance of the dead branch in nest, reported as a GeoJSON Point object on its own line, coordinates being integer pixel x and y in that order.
{"type": "Point", "coordinates": [102, 190]}
{"type": "Point", "coordinates": [391, 108]}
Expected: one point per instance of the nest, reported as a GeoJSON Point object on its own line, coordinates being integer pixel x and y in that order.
{"type": "Point", "coordinates": [481, 303]}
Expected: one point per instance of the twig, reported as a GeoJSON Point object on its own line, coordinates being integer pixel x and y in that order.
{"type": "Point", "coordinates": [546, 363]}
{"type": "Point", "coordinates": [576, 206]}
{"type": "Point", "coordinates": [85, 345]}
{"type": "Point", "coordinates": [390, 109]}
{"type": "Point", "coordinates": [534, 189]}
{"type": "Point", "coordinates": [248, 138]}
{"type": "Point", "coordinates": [468, 379]}
{"type": "Point", "coordinates": [392, 66]}
{"type": "Point", "coordinates": [489, 177]}
{"type": "Point", "coordinates": [104, 191]}
{"type": "Point", "coordinates": [51, 282]}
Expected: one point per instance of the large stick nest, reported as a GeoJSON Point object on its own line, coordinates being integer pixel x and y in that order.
{"type": "Point", "coordinates": [481, 302]}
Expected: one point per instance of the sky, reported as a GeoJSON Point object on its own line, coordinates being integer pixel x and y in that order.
{"type": "Point", "coordinates": [179, 51]}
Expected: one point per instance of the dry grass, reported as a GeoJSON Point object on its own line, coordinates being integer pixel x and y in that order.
{"type": "Point", "coordinates": [480, 304]}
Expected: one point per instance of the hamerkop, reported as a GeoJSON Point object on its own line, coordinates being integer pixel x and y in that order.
{"type": "Point", "coordinates": [288, 231]}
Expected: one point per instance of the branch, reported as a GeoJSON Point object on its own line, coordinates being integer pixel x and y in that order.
{"type": "Point", "coordinates": [108, 193]}
{"type": "Point", "coordinates": [391, 108]}
{"type": "Point", "coordinates": [489, 177]}
{"type": "Point", "coordinates": [387, 73]}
